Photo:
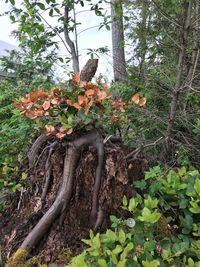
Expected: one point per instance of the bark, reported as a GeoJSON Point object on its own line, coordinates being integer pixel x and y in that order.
{"type": "Point", "coordinates": [59, 207]}
{"type": "Point", "coordinates": [143, 41]}
{"type": "Point", "coordinates": [89, 70]}
{"type": "Point", "coordinates": [119, 63]}
{"type": "Point", "coordinates": [178, 83]}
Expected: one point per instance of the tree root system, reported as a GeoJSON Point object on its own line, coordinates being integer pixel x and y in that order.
{"type": "Point", "coordinates": [72, 186]}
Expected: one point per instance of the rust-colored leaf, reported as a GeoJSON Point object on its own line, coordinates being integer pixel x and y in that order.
{"type": "Point", "coordinates": [88, 106]}
{"type": "Point", "coordinates": [34, 114]}
{"type": "Point", "coordinates": [82, 100]}
{"type": "Point", "coordinates": [55, 101]}
{"type": "Point", "coordinates": [114, 118]}
{"type": "Point", "coordinates": [69, 131]}
{"type": "Point", "coordinates": [82, 84]}
{"type": "Point", "coordinates": [69, 102]}
{"type": "Point", "coordinates": [17, 105]}
{"type": "Point", "coordinates": [62, 129]}
{"type": "Point", "coordinates": [49, 129]}
{"type": "Point", "coordinates": [118, 103]}
{"type": "Point", "coordinates": [46, 113]}
{"type": "Point", "coordinates": [135, 99]}
{"type": "Point", "coordinates": [38, 106]}
{"type": "Point", "coordinates": [76, 78]}
{"type": "Point", "coordinates": [56, 91]}
{"type": "Point", "coordinates": [60, 135]}
{"type": "Point", "coordinates": [77, 106]}
{"type": "Point", "coordinates": [46, 105]}
{"type": "Point", "coordinates": [25, 100]}
{"type": "Point", "coordinates": [28, 105]}
{"type": "Point", "coordinates": [40, 94]}
{"type": "Point", "coordinates": [101, 95]}
{"type": "Point", "coordinates": [142, 101]}
{"type": "Point", "coordinates": [90, 92]}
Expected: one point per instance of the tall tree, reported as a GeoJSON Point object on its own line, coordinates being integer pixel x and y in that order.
{"type": "Point", "coordinates": [36, 32]}
{"type": "Point", "coordinates": [119, 63]}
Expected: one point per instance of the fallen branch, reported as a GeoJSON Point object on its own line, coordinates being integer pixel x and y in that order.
{"type": "Point", "coordinates": [137, 150]}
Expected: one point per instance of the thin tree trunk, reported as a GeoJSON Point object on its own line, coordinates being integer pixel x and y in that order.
{"type": "Point", "coordinates": [119, 63]}
{"type": "Point", "coordinates": [143, 41]}
{"type": "Point", "coordinates": [177, 87]}
{"type": "Point", "coordinates": [73, 51]}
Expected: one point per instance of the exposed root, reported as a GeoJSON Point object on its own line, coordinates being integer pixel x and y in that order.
{"type": "Point", "coordinates": [48, 169]}
{"type": "Point", "coordinates": [36, 147]}
{"type": "Point", "coordinates": [62, 200]}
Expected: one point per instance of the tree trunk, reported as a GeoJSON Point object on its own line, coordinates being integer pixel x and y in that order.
{"type": "Point", "coordinates": [143, 39]}
{"type": "Point", "coordinates": [119, 63]}
{"type": "Point", "coordinates": [177, 87]}
{"type": "Point", "coordinates": [72, 48]}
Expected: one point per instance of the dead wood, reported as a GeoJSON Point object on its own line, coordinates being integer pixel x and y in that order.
{"type": "Point", "coordinates": [89, 70]}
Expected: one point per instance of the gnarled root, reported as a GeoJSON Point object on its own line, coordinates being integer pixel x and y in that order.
{"type": "Point", "coordinates": [61, 202]}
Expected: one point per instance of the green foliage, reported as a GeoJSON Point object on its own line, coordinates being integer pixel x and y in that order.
{"type": "Point", "coordinates": [15, 132]}
{"type": "Point", "coordinates": [163, 229]}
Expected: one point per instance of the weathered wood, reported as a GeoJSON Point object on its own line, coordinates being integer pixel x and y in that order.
{"type": "Point", "coordinates": [89, 70]}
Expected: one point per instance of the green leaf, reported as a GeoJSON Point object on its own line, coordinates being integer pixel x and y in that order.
{"type": "Point", "coordinates": [12, 2]}
{"type": "Point", "coordinates": [102, 263]}
{"type": "Point", "coordinates": [151, 203]}
{"type": "Point", "coordinates": [12, 18]}
{"type": "Point", "coordinates": [121, 236]}
{"type": "Point", "coordinates": [153, 263]}
{"type": "Point", "coordinates": [79, 261]}
{"type": "Point", "coordinates": [183, 203]}
{"type": "Point", "coordinates": [96, 241]}
{"type": "Point", "coordinates": [126, 250]}
{"type": "Point", "coordinates": [117, 250]}
{"type": "Point", "coordinates": [51, 12]}
{"type": "Point", "coordinates": [125, 201]}
{"type": "Point", "coordinates": [195, 208]}
{"type": "Point", "coordinates": [186, 222]}
{"type": "Point", "coordinates": [113, 219]}
{"type": "Point", "coordinates": [197, 186]}
{"type": "Point", "coordinates": [24, 176]}
{"type": "Point", "coordinates": [148, 216]}
{"type": "Point", "coordinates": [190, 262]}
{"type": "Point", "coordinates": [153, 172]}
{"type": "Point", "coordinates": [121, 263]}
{"type": "Point", "coordinates": [150, 245]}
{"type": "Point", "coordinates": [140, 184]}
{"type": "Point", "coordinates": [41, 6]}
{"type": "Point", "coordinates": [132, 204]}
{"type": "Point", "coordinates": [91, 234]}
{"type": "Point", "coordinates": [87, 242]}
{"type": "Point", "coordinates": [182, 171]}
{"type": "Point", "coordinates": [111, 235]}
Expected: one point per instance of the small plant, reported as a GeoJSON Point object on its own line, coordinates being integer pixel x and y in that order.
{"type": "Point", "coordinates": [163, 228]}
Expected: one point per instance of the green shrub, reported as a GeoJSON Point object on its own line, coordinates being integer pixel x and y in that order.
{"type": "Point", "coordinates": [163, 228]}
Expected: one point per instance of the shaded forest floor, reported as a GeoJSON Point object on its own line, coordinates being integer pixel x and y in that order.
{"type": "Point", "coordinates": [62, 242]}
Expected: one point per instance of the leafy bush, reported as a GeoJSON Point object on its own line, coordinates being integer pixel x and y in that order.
{"type": "Point", "coordinates": [163, 228]}
{"type": "Point", "coordinates": [15, 132]}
